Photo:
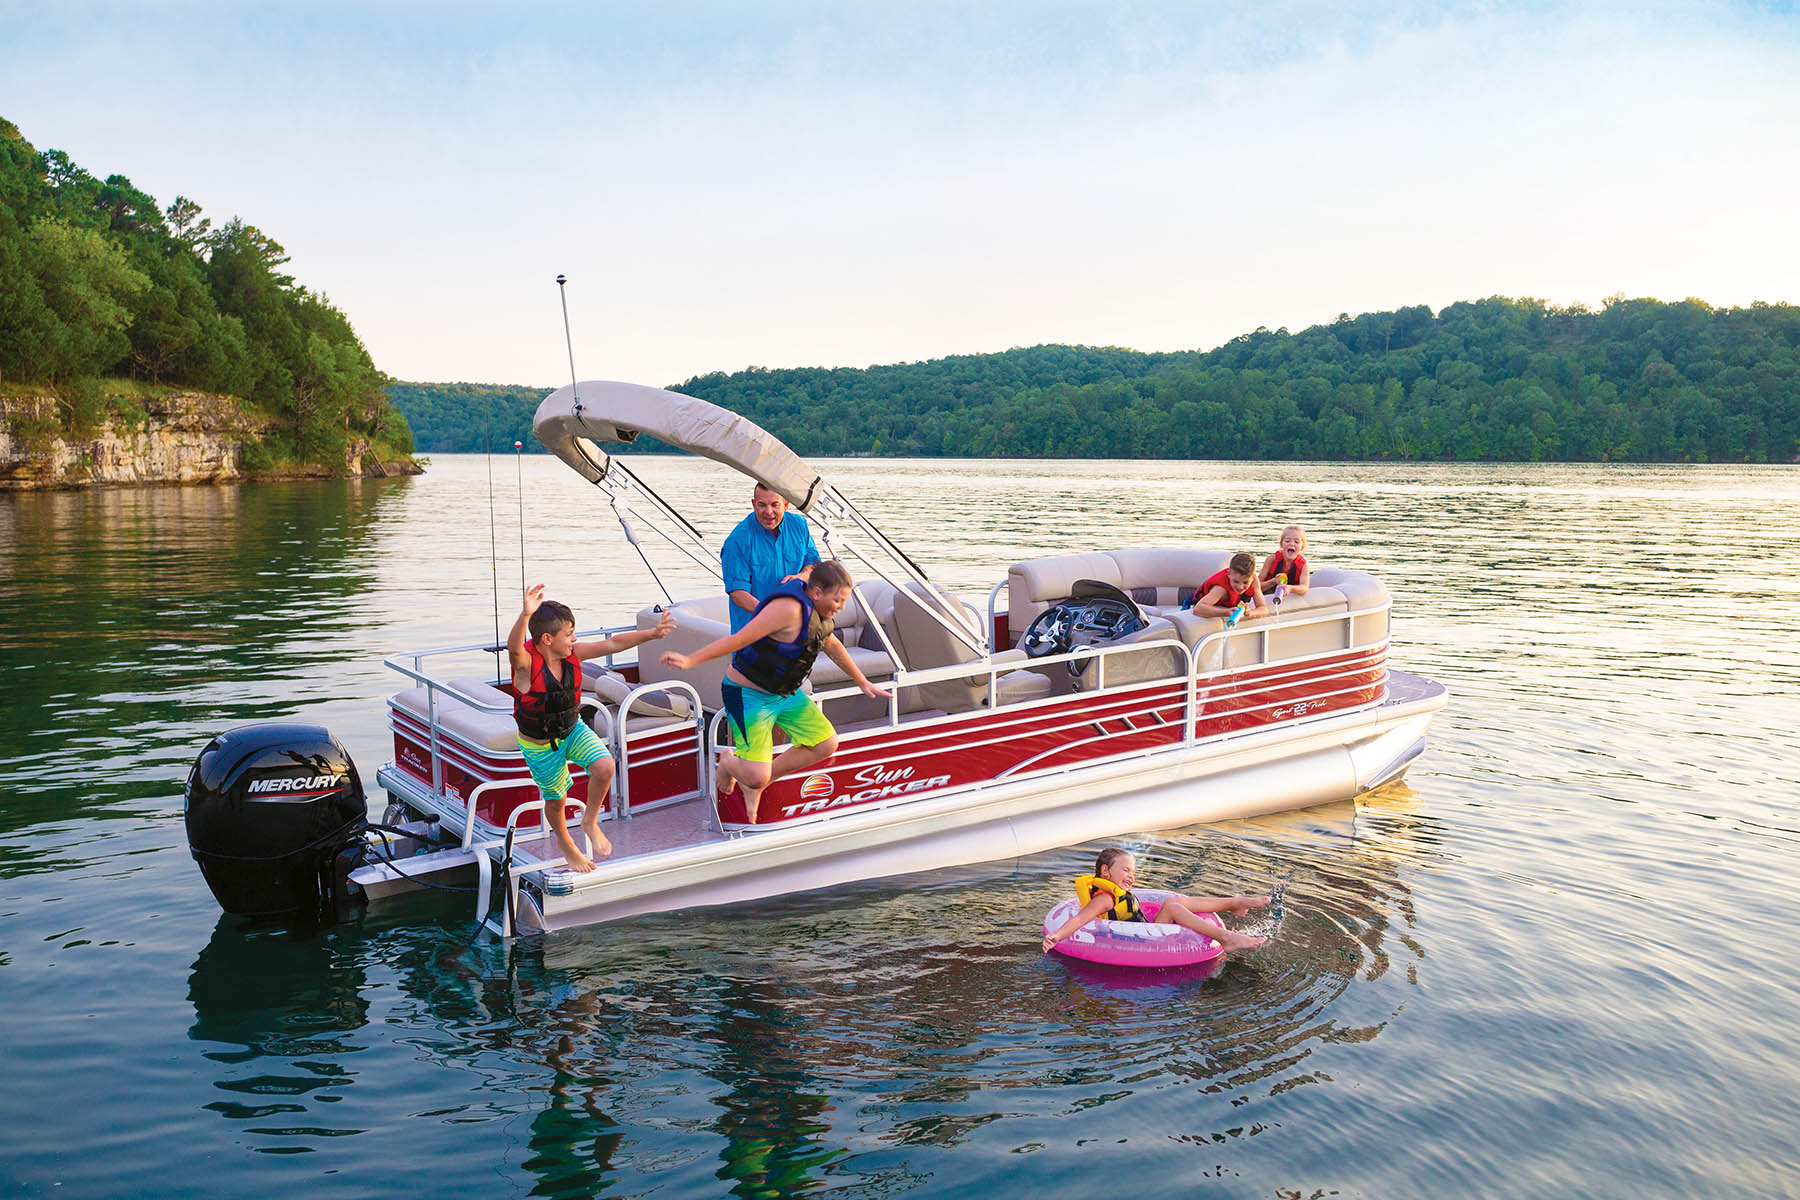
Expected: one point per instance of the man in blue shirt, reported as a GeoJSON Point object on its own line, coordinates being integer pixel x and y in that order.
{"type": "Point", "coordinates": [766, 547]}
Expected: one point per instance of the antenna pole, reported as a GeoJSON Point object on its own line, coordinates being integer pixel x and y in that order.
{"type": "Point", "coordinates": [568, 340]}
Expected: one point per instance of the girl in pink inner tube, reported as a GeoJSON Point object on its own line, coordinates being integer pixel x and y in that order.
{"type": "Point", "coordinates": [1115, 874]}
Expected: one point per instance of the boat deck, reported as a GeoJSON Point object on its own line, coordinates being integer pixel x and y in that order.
{"type": "Point", "coordinates": [685, 823]}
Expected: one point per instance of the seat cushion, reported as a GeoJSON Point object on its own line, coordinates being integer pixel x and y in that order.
{"type": "Point", "coordinates": [612, 689]}
{"type": "Point", "coordinates": [872, 663]}
{"type": "Point", "coordinates": [1167, 569]}
{"type": "Point", "coordinates": [492, 731]}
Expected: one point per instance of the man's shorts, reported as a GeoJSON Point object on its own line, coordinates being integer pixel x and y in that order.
{"type": "Point", "coordinates": [549, 761]}
{"type": "Point", "coordinates": [754, 713]}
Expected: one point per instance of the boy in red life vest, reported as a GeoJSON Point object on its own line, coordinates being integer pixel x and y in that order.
{"type": "Point", "coordinates": [1227, 589]}
{"type": "Point", "coordinates": [1288, 560]}
{"type": "Point", "coordinates": [546, 675]}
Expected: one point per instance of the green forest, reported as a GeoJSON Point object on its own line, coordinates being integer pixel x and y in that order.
{"type": "Point", "coordinates": [468, 418]}
{"type": "Point", "coordinates": [105, 295]}
{"type": "Point", "coordinates": [1496, 379]}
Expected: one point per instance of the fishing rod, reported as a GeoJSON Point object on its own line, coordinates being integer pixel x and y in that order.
{"type": "Point", "coordinates": [487, 440]}
{"type": "Point", "coordinates": [519, 477]}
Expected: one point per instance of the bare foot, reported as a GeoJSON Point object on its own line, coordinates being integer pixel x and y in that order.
{"type": "Point", "coordinates": [1235, 941]}
{"type": "Point", "coordinates": [724, 782]}
{"type": "Point", "coordinates": [598, 845]}
{"type": "Point", "coordinates": [578, 862]}
{"type": "Point", "coordinates": [1243, 904]}
{"type": "Point", "coordinates": [751, 800]}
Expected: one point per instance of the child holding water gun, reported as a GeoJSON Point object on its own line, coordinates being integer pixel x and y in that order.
{"type": "Point", "coordinates": [1290, 562]}
{"type": "Point", "coordinates": [1234, 590]}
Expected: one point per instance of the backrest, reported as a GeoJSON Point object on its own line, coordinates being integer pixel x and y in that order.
{"type": "Point", "coordinates": [925, 643]}
{"type": "Point", "coordinates": [697, 622]}
{"type": "Point", "coordinates": [1167, 577]}
{"type": "Point", "coordinates": [1164, 577]}
{"type": "Point", "coordinates": [1360, 590]}
{"type": "Point", "coordinates": [705, 619]}
{"type": "Point", "coordinates": [1033, 586]}
{"type": "Point", "coordinates": [853, 624]}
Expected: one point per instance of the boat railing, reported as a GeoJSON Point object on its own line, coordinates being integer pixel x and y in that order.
{"type": "Point", "coordinates": [612, 729]}
{"type": "Point", "coordinates": [1199, 688]}
{"type": "Point", "coordinates": [993, 612]}
{"type": "Point", "coordinates": [484, 862]}
{"type": "Point", "coordinates": [1099, 656]}
{"type": "Point", "coordinates": [696, 711]}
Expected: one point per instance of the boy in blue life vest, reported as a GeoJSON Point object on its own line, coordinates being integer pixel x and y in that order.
{"type": "Point", "coordinates": [770, 658]}
{"type": "Point", "coordinates": [546, 673]}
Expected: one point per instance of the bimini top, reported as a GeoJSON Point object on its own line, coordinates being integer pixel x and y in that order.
{"type": "Point", "coordinates": [572, 420]}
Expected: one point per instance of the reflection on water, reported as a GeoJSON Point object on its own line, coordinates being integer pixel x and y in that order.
{"type": "Point", "coordinates": [1553, 962]}
{"type": "Point", "coordinates": [287, 1006]}
{"type": "Point", "coordinates": [849, 1039]}
{"type": "Point", "coordinates": [130, 617]}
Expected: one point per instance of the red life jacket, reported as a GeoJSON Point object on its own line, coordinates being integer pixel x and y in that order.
{"type": "Point", "coordinates": [549, 710]}
{"type": "Point", "coordinates": [1233, 598]}
{"type": "Point", "coordinates": [1292, 569]}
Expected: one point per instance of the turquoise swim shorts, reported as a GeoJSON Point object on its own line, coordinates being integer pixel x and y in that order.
{"type": "Point", "coordinates": [549, 761]}
{"type": "Point", "coordinates": [754, 714]}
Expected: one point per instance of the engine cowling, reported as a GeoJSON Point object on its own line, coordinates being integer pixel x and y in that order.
{"type": "Point", "coordinates": [268, 808]}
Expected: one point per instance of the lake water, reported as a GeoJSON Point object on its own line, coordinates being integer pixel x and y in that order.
{"type": "Point", "coordinates": [1559, 959]}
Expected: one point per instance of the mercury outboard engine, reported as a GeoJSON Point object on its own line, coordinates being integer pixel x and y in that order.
{"type": "Point", "coordinates": [269, 809]}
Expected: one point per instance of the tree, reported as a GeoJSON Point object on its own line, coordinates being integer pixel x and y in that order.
{"type": "Point", "coordinates": [88, 283]}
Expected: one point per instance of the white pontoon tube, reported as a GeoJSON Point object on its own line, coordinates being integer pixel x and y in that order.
{"type": "Point", "coordinates": [572, 421]}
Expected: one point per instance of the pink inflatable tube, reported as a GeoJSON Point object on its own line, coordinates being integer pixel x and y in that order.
{"type": "Point", "coordinates": [1133, 943]}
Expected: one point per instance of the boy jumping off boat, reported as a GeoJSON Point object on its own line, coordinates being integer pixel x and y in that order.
{"type": "Point", "coordinates": [770, 658]}
{"type": "Point", "coordinates": [546, 675]}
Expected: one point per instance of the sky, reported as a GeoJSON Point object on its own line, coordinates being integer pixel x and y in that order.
{"type": "Point", "coordinates": [775, 184]}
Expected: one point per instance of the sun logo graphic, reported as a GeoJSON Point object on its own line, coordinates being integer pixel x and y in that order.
{"type": "Point", "coordinates": [816, 787]}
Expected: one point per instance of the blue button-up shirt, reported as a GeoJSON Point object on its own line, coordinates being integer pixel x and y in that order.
{"type": "Point", "coordinates": [755, 560]}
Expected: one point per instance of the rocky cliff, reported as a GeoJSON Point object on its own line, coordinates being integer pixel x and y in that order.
{"type": "Point", "coordinates": [186, 437]}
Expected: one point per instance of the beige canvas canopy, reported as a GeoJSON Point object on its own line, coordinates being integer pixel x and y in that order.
{"type": "Point", "coordinates": [573, 420]}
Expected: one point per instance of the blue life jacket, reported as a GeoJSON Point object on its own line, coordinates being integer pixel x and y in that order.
{"type": "Point", "coordinates": [781, 667]}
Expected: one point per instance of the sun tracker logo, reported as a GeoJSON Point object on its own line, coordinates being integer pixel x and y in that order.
{"type": "Point", "coordinates": [878, 782]}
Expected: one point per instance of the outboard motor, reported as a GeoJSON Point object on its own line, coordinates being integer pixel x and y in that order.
{"type": "Point", "coordinates": [269, 808]}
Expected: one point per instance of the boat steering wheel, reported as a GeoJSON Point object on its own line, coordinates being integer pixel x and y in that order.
{"type": "Point", "coordinates": [1048, 632]}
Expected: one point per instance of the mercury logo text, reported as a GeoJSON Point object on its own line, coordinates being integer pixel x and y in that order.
{"type": "Point", "coordinates": [306, 783]}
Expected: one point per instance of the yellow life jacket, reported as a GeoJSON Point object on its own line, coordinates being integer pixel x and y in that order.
{"type": "Point", "coordinates": [1125, 905]}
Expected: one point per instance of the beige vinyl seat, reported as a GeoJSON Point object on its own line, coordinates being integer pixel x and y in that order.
{"type": "Point", "coordinates": [926, 644]}
{"type": "Point", "coordinates": [494, 731]}
{"type": "Point", "coordinates": [1162, 581]}
{"type": "Point", "coordinates": [920, 640]}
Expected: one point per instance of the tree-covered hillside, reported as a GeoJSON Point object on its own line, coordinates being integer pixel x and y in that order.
{"type": "Point", "coordinates": [97, 280]}
{"type": "Point", "coordinates": [1496, 379]}
{"type": "Point", "coordinates": [468, 418]}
